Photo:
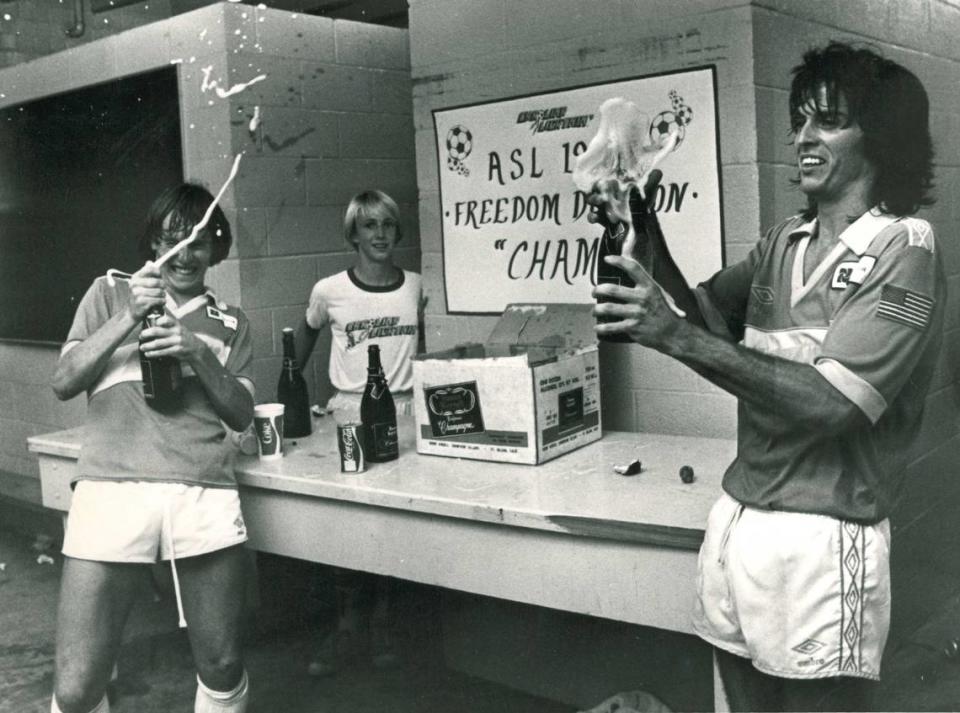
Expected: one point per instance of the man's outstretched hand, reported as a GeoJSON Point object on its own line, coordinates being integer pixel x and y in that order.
{"type": "Point", "coordinates": [645, 312]}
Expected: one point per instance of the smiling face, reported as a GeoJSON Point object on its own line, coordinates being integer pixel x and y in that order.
{"type": "Point", "coordinates": [375, 235]}
{"type": "Point", "coordinates": [830, 152]}
{"type": "Point", "coordinates": [184, 273]}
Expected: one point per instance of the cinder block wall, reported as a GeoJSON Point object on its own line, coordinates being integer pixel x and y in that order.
{"type": "Point", "coordinates": [334, 118]}
{"type": "Point", "coordinates": [518, 47]}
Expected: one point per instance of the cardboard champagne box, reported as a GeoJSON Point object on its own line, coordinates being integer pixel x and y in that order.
{"type": "Point", "coordinates": [529, 393]}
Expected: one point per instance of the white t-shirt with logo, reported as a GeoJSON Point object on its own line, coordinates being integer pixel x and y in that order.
{"type": "Point", "coordinates": [360, 315]}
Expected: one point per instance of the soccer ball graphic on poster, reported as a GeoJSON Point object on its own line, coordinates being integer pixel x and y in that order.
{"type": "Point", "coordinates": [663, 124]}
{"type": "Point", "coordinates": [671, 120]}
{"type": "Point", "coordinates": [459, 146]}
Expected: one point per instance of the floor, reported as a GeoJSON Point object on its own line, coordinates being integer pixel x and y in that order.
{"type": "Point", "coordinates": [155, 672]}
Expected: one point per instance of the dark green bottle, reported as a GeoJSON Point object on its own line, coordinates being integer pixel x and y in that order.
{"type": "Point", "coordinates": [292, 392]}
{"type": "Point", "coordinates": [378, 414]}
{"type": "Point", "coordinates": [161, 375]}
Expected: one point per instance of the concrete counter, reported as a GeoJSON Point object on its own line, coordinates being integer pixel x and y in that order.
{"type": "Point", "coordinates": [570, 534]}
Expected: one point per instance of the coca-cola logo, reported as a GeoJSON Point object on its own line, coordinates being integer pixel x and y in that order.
{"type": "Point", "coordinates": [267, 430]}
{"type": "Point", "coordinates": [347, 437]}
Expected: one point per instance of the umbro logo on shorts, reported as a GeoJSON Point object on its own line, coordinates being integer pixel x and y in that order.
{"type": "Point", "coordinates": [239, 524]}
{"type": "Point", "coordinates": [809, 646]}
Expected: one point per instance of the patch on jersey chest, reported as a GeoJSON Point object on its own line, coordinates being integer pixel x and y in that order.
{"type": "Point", "coordinates": [228, 321]}
{"type": "Point", "coordinates": [852, 272]}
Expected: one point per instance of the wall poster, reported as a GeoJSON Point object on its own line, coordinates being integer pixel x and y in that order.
{"type": "Point", "coordinates": [514, 226]}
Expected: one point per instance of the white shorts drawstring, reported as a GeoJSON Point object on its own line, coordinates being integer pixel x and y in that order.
{"type": "Point", "coordinates": [726, 532]}
{"type": "Point", "coordinates": [173, 564]}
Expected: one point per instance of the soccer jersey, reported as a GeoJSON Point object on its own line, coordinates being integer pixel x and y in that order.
{"type": "Point", "coordinates": [360, 315]}
{"type": "Point", "coordinates": [868, 318]}
{"type": "Point", "coordinates": [124, 438]}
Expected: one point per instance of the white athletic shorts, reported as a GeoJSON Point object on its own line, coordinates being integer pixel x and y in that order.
{"type": "Point", "coordinates": [801, 595]}
{"type": "Point", "coordinates": [137, 521]}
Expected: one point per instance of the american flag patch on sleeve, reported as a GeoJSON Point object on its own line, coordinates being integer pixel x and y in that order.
{"type": "Point", "coordinates": [905, 306]}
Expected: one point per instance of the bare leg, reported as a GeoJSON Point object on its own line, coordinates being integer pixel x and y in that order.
{"type": "Point", "coordinates": [212, 587]}
{"type": "Point", "coordinates": [751, 690]}
{"type": "Point", "coordinates": [95, 600]}
{"type": "Point", "coordinates": [747, 688]}
{"type": "Point", "coordinates": [829, 694]}
{"type": "Point", "coordinates": [382, 649]}
{"type": "Point", "coordinates": [342, 646]}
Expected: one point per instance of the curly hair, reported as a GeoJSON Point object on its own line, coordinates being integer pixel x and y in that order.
{"type": "Point", "coordinates": [186, 205]}
{"type": "Point", "coordinates": [889, 104]}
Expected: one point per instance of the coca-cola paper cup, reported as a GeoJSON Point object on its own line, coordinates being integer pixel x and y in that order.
{"type": "Point", "coordinates": [268, 423]}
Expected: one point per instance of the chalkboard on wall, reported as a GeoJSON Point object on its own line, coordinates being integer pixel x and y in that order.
{"type": "Point", "coordinates": [78, 171]}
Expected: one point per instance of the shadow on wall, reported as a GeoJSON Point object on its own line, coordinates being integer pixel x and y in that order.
{"type": "Point", "coordinates": [925, 562]}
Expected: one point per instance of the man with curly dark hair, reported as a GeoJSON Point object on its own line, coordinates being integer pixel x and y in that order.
{"type": "Point", "coordinates": [827, 334]}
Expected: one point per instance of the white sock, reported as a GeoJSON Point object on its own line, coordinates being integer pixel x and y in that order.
{"type": "Point", "coordinates": [102, 707]}
{"type": "Point", "coordinates": [210, 701]}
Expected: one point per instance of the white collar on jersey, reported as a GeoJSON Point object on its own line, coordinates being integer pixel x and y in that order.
{"type": "Point", "coordinates": [197, 302]}
{"type": "Point", "coordinates": [858, 235]}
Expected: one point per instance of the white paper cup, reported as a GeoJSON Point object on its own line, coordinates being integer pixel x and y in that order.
{"type": "Point", "coordinates": [268, 423]}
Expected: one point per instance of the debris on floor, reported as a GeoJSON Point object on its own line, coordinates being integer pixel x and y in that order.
{"type": "Point", "coordinates": [628, 469]}
{"type": "Point", "coordinates": [631, 702]}
{"type": "Point", "coordinates": [42, 543]}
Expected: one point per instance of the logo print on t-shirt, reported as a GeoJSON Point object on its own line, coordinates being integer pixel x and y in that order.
{"type": "Point", "coordinates": [361, 330]}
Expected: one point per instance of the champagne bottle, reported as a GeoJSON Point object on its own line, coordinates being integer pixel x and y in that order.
{"type": "Point", "coordinates": [378, 413]}
{"type": "Point", "coordinates": [161, 375]}
{"type": "Point", "coordinates": [292, 392]}
{"type": "Point", "coordinates": [611, 243]}
{"type": "Point", "coordinates": [615, 235]}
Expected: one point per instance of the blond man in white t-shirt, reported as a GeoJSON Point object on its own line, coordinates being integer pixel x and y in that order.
{"type": "Point", "coordinates": [372, 302]}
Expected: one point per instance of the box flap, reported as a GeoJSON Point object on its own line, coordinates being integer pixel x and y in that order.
{"type": "Point", "coordinates": [558, 326]}
{"type": "Point", "coordinates": [468, 350]}
{"type": "Point", "coordinates": [484, 352]}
